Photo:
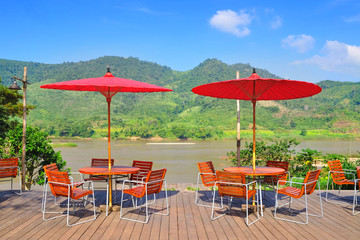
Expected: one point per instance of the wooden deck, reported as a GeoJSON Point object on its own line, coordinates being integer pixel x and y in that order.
{"type": "Point", "coordinates": [21, 218]}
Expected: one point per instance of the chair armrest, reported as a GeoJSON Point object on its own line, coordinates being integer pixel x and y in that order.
{"type": "Point", "coordinates": [235, 183]}
{"type": "Point", "coordinates": [132, 181]}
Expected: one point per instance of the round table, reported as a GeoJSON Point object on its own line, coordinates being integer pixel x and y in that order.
{"type": "Point", "coordinates": [259, 171]}
{"type": "Point", "coordinates": [104, 170]}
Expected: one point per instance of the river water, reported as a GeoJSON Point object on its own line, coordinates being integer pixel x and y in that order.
{"type": "Point", "coordinates": [178, 157]}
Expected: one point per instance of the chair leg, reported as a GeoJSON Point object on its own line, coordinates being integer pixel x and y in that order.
{"type": "Point", "coordinates": [44, 210]}
{"type": "Point", "coordinates": [213, 207]}
{"type": "Point", "coordinates": [355, 198]}
{"type": "Point", "coordinates": [93, 202]}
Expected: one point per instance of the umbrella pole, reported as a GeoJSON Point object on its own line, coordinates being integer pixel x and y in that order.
{"type": "Point", "coordinates": [238, 143]}
{"type": "Point", "coordinates": [254, 142]}
{"type": "Point", "coordinates": [109, 154]}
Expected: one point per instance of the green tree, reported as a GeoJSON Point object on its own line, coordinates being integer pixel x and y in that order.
{"type": "Point", "coordinates": [39, 152]}
{"type": "Point", "coordinates": [9, 107]}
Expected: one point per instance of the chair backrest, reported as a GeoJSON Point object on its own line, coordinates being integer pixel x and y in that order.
{"type": "Point", "coordinates": [50, 167]}
{"type": "Point", "coordinates": [61, 178]}
{"type": "Point", "coordinates": [156, 177]}
{"type": "Point", "coordinates": [98, 162]}
{"type": "Point", "coordinates": [358, 175]}
{"type": "Point", "coordinates": [311, 176]}
{"type": "Point", "coordinates": [336, 166]}
{"type": "Point", "coordinates": [280, 164]}
{"type": "Point", "coordinates": [226, 189]}
{"type": "Point", "coordinates": [8, 167]}
{"type": "Point", "coordinates": [209, 178]}
{"type": "Point", "coordinates": [145, 167]}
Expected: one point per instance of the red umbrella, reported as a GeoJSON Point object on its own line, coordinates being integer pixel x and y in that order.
{"type": "Point", "coordinates": [255, 88]}
{"type": "Point", "coordinates": [108, 85]}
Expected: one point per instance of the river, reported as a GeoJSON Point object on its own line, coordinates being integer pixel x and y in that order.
{"type": "Point", "coordinates": [179, 157]}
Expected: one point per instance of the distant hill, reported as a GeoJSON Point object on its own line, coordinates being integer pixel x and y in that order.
{"type": "Point", "coordinates": [180, 113]}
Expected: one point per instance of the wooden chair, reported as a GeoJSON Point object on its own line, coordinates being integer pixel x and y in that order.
{"type": "Point", "coordinates": [338, 176]}
{"type": "Point", "coordinates": [357, 182]}
{"type": "Point", "coordinates": [145, 167]}
{"type": "Point", "coordinates": [234, 185]}
{"type": "Point", "coordinates": [62, 185]}
{"type": "Point", "coordinates": [9, 169]}
{"type": "Point", "coordinates": [99, 162]}
{"type": "Point", "coordinates": [273, 180]}
{"type": "Point", "coordinates": [208, 178]}
{"type": "Point", "coordinates": [152, 184]}
{"type": "Point", "coordinates": [53, 167]}
{"type": "Point", "coordinates": [308, 187]}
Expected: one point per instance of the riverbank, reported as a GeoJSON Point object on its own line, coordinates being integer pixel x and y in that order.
{"type": "Point", "coordinates": [246, 135]}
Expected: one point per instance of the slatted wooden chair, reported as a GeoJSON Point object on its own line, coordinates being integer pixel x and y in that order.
{"type": "Point", "coordinates": [99, 162]}
{"type": "Point", "coordinates": [273, 180]}
{"type": "Point", "coordinates": [234, 185]}
{"type": "Point", "coordinates": [357, 182]}
{"type": "Point", "coordinates": [152, 184]}
{"type": "Point", "coordinates": [9, 169]}
{"type": "Point", "coordinates": [208, 178]}
{"type": "Point", "coordinates": [308, 187]}
{"type": "Point", "coordinates": [338, 176]}
{"type": "Point", "coordinates": [145, 167]}
{"type": "Point", "coordinates": [62, 185]}
{"type": "Point", "coordinates": [53, 167]}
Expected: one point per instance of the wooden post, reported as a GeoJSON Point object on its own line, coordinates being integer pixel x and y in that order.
{"type": "Point", "coordinates": [24, 132]}
{"type": "Point", "coordinates": [238, 141]}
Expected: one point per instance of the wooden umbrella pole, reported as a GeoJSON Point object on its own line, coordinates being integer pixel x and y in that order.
{"type": "Point", "coordinates": [254, 138]}
{"type": "Point", "coordinates": [109, 153]}
{"type": "Point", "coordinates": [238, 143]}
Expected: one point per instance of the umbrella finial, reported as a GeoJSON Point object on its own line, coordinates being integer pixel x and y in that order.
{"type": "Point", "coordinates": [108, 69]}
{"type": "Point", "coordinates": [254, 70]}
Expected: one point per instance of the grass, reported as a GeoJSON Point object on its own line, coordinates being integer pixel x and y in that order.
{"type": "Point", "coordinates": [68, 144]}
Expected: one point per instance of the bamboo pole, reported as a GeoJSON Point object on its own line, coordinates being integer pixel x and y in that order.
{"type": "Point", "coordinates": [238, 141]}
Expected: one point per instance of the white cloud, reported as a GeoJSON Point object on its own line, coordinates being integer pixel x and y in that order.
{"type": "Point", "coordinates": [337, 57]}
{"type": "Point", "coordinates": [232, 22]}
{"type": "Point", "coordinates": [301, 43]}
{"type": "Point", "coordinates": [276, 22]}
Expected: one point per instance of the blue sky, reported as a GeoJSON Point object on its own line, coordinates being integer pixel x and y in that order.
{"type": "Point", "coordinates": [299, 39]}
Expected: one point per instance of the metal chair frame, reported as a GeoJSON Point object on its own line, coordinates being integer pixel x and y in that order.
{"type": "Point", "coordinates": [11, 179]}
{"type": "Point", "coordinates": [69, 186]}
{"type": "Point", "coordinates": [230, 201]}
{"type": "Point", "coordinates": [146, 200]}
{"type": "Point", "coordinates": [290, 201]}
{"type": "Point", "coordinates": [55, 200]}
{"type": "Point", "coordinates": [345, 171]}
{"type": "Point", "coordinates": [357, 181]}
{"type": "Point", "coordinates": [197, 192]}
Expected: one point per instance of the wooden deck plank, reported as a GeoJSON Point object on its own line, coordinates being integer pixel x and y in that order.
{"type": "Point", "coordinates": [199, 224]}
{"type": "Point", "coordinates": [182, 226]}
{"type": "Point", "coordinates": [165, 221]}
{"type": "Point", "coordinates": [173, 216]}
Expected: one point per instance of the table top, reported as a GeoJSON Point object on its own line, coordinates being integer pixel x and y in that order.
{"type": "Point", "coordinates": [104, 170]}
{"type": "Point", "coordinates": [259, 171]}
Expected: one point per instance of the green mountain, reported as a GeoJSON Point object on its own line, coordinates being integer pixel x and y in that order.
{"type": "Point", "coordinates": [333, 112]}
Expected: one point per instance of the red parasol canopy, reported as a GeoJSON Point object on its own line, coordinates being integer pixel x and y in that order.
{"type": "Point", "coordinates": [255, 88]}
{"type": "Point", "coordinates": [108, 85]}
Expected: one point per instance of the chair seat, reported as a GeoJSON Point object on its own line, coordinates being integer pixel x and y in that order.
{"type": "Point", "coordinates": [291, 191]}
{"type": "Point", "coordinates": [345, 181]}
{"type": "Point", "coordinates": [136, 191]}
{"type": "Point", "coordinates": [234, 192]}
{"type": "Point", "coordinates": [79, 193]}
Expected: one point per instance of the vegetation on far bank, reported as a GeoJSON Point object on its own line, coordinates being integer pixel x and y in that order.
{"type": "Point", "coordinates": [332, 114]}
